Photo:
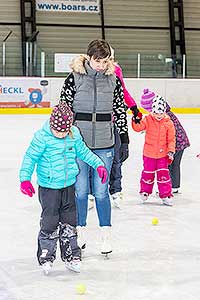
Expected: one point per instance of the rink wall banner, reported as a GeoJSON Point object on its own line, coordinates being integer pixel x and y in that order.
{"type": "Point", "coordinates": [82, 6]}
{"type": "Point", "coordinates": [181, 94]}
{"type": "Point", "coordinates": [39, 95]}
{"type": "Point", "coordinates": [24, 93]}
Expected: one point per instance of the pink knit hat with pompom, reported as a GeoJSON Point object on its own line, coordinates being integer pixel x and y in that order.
{"type": "Point", "coordinates": [147, 99]}
{"type": "Point", "coordinates": [61, 118]}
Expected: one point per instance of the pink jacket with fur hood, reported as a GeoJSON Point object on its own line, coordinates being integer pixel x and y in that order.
{"type": "Point", "coordinates": [159, 137]}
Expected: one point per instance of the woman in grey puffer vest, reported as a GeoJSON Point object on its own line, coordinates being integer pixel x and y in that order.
{"type": "Point", "coordinates": [96, 97]}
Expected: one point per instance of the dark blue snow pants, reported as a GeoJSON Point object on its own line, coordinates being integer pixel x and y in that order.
{"type": "Point", "coordinates": [58, 222]}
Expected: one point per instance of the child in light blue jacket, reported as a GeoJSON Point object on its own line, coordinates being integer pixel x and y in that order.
{"type": "Point", "coordinates": [54, 149]}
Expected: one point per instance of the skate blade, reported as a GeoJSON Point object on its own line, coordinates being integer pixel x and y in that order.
{"type": "Point", "coordinates": [83, 247]}
{"type": "Point", "coordinates": [176, 193]}
{"type": "Point", "coordinates": [46, 270]}
{"type": "Point", "coordinates": [76, 270]}
{"type": "Point", "coordinates": [106, 254]}
{"type": "Point", "coordinates": [90, 207]}
{"type": "Point", "coordinates": [116, 206]}
{"type": "Point", "coordinates": [46, 273]}
{"type": "Point", "coordinates": [167, 204]}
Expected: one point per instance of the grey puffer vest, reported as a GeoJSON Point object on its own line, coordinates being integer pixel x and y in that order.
{"type": "Point", "coordinates": [93, 100]}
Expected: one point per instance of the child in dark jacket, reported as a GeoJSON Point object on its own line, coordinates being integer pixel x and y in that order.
{"type": "Point", "coordinates": [54, 149]}
{"type": "Point", "coordinates": [182, 141]}
{"type": "Point", "coordinates": [116, 171]}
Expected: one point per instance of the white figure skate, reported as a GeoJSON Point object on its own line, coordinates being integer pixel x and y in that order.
{"type": "Point", "coordinates": [47, 267]}
{"type": "Point", "coordinates": [74, 265]}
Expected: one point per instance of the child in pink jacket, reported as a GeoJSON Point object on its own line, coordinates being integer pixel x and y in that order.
{"type": "Point", "coordinates": [159, 148]}
{"type": "Point", "coordinates": [128, 99]}
{"type": "Point", "coordinates": [182, 141]}
{"type": "Point", "coordinates": [116, 172]}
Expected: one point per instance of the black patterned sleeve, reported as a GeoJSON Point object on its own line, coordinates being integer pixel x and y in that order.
{"type": "Point", "coordinates": [119, 109]}
{"type": "Point", "coordinates": [68, 90]}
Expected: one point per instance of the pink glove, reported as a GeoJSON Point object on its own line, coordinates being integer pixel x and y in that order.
{"type": "Point", "coordinates": [103, 174]}
{"type": "Point", "coordinates": [198, 155]}
{"type": "Point", "coordinates": [27, 188]}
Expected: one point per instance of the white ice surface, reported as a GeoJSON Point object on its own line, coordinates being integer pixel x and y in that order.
{"type": "Point", "coordinates": [148, 262]}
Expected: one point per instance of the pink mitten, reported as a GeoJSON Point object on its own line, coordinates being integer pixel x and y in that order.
{"type": "Point", "coordinates": [27, 188]}
{"type": "Point", "coordinates": [103, 174]}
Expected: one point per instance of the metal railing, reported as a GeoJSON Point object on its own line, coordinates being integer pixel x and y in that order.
{"type": "Point", "coordinates": [4, 53]}
{"type": "Point", "coordinates": [138, 65]}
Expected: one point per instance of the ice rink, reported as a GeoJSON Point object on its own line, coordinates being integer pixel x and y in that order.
{"type": "Point", "coordinates": [148, 262]}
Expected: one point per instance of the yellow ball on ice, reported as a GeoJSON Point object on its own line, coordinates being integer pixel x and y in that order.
{"type": "Point", "coordinates": [81, 289]}
{"type": "Point", "coordinates": [155, 221]}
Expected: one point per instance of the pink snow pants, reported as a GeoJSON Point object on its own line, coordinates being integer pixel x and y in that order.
{"type": "Point", "coordinates": [158, 166]}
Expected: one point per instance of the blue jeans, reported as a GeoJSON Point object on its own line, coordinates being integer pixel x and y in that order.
{"type": "Point", "coordinates": [100, 191]}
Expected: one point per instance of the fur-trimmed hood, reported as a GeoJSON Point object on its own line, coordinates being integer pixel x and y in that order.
{"type": "Point", "coordinates": [78, 65]}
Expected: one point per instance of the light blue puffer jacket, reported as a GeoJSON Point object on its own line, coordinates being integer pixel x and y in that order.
{"type": "Point", "coordinates": [56, 158]}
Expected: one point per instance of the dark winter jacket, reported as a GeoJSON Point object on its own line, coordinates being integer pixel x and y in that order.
{"type": "Point", "coordinates": [182, 140]}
